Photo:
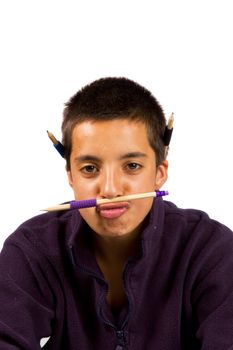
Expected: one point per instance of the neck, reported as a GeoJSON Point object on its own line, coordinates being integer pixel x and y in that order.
{"type": "Point", "coordinates": [111, 255]}
{"type": "Point", "coordinates": [116, 249]}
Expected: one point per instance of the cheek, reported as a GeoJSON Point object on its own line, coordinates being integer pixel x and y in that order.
{"type": "Point", "coordinates": [88, 213]}
{"type": "Point", "coordinates": [146, 184]}
{"type": "Point", "coordinates": [142, 207]}
{"type": "Point", "coordinates": [82, 189]}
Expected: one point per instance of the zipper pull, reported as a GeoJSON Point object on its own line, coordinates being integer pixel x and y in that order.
{"type": "Point", "coordinates": [120, 340]}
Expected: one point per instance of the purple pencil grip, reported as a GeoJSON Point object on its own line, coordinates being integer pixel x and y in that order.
{"type": "Point", "coordinates": [161, 193]}
{"type": "Point", "coordinates": [87, 203]}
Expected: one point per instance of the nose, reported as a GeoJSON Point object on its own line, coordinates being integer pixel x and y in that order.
{"type": "Point", "coordinates": [110, 184]}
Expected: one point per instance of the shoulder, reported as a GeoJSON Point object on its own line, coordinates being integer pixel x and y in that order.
{"type": "Point", "coordinates": [199, 236]}
{"type": "Point", "coordinates": [193, 219]}
{"type": "Point", "coordinates": [47, 232]}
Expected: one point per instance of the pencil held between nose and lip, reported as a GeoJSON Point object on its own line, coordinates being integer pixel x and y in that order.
{"type": "Point", "coordinates": [88, 203]}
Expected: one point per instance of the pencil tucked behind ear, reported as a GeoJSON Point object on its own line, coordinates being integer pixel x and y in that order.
{"type": "Point", "coordinates": [57, 144]}
{"type": "Point", "coordinates": [168, 134]}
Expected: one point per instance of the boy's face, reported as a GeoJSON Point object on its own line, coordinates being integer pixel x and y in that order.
{"type": "Point", "coordinates": [111, 159]}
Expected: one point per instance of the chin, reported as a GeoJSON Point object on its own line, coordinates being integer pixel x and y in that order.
{"type": "Point", "coordinates": [117, 232]}
{"type": "Point", "coordinates": [114, 234]}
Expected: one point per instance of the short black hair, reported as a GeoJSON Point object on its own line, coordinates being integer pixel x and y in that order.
{"type": "Point", "coordinates": [115, 98]}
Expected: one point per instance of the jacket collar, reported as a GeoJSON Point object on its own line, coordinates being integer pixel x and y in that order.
{"type": "Point", "coordinates": [80, 238]}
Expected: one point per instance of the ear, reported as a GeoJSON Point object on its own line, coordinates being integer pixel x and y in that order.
{"type": "Point", "coordinates": [161, 174]}
{"type": "Point", "coordinates": [70, 177]}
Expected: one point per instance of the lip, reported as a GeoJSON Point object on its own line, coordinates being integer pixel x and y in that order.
{"type": "Point", "coordinates": [112, 210]}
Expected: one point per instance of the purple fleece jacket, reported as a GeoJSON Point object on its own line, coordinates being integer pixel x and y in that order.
{"type": "Point", "coordinates": [179, 288]}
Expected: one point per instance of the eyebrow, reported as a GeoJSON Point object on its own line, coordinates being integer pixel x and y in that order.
{"type": "Point", "coordinates": [92, 158]}
{"type": "Point", "coordinates": [134, 155]}
{"type": "Point", "coordinates": [87, 158]}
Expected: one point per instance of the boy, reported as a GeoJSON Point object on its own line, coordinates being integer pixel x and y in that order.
{"type": "Point", "coordinates": [137, 275]}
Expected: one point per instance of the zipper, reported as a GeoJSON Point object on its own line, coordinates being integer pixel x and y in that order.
{"type": "Point", "coordinates": [120, 335]}
{"type": "Point", "coordinates": [72, 257]}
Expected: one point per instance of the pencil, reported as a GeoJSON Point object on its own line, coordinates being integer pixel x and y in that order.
{"type": "Point", "coordinates": [57, 144]}
{"type": "Point", "coordinates": [168, 134]}
{"type": "Point", "coordinates": [88, 203]}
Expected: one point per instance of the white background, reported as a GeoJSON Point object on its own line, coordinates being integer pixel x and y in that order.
{"type": "Point", "coordinates": [180, 50]}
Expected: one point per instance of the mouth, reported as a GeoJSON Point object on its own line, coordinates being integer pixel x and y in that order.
{"type": "Point", "coordinates": [112, 211]}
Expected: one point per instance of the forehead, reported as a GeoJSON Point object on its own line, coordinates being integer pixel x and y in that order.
{"type": "Point", "coordinates": [112, 135]}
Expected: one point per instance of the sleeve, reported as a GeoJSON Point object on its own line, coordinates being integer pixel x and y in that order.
{"type": "Point", "coordinates": [212, 292]}
{"type": "Point", "coordinates": [26, 300]}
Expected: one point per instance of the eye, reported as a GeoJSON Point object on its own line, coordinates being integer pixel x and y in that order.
{"type": "Point", "coordinates": [133, 166]}
{"type": "Point", "coordinates": [89, 169]}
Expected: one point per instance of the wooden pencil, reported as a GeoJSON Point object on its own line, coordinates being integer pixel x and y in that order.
{"type": "Point", "coordinates": [87, 203]}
